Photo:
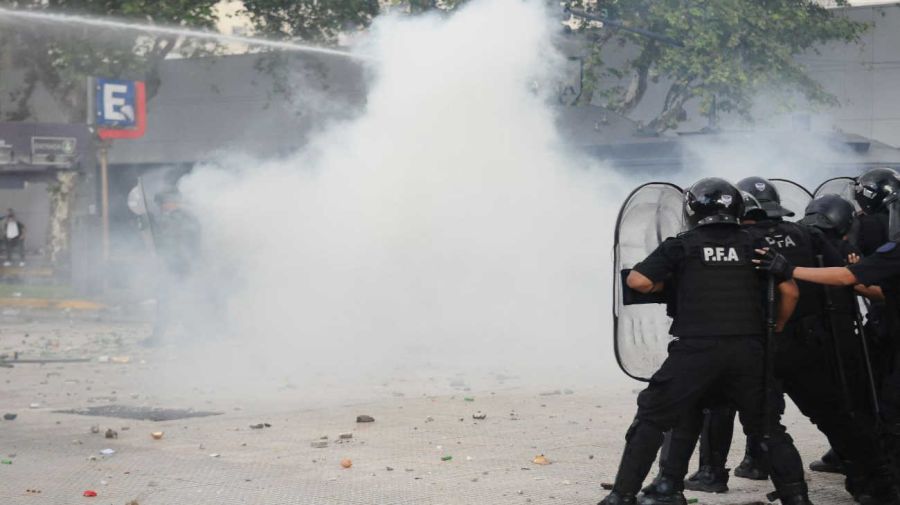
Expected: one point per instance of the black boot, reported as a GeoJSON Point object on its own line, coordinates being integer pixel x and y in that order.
{"type": "Point", "coordinates": [663, 491]}
{"type": "Point", "coordinates": [795, 493]}
{"type": "Point", "coordinates": [750, 467]}
{"type": "Point", "coordinates": [708, 480]}
{"type": "Point", "coordinates": [617, 498]}
{"type": "Point", "coordinates": [829, 463]}
{"type": "Point", "coordinates": [651, 488]}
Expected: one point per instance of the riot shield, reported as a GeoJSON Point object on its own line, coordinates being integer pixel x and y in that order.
{"type": "Point", "coordinates": [137, 204]}
{"type": "Point", "coordinates": [841, 186]}
{"type": "Point", "coordinates": [650, 214]}
{"type": "Point", "coordinates": [794, 197]}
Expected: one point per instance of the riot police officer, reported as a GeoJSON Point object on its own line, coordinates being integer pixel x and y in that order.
{"type": "Point", "coordinates": [835, 217]}
{"type": "Point", "coordinates": [177, 241]}
{"type": "Point", "coordinates": [805, 362]}
{"type": "Point", "coordinates": [882, 269]}
{"type": "Point", "coordinates": [713, 425]}
{"type": "Point", "coordinates": [718, 324]}
{"type": "Point", "coordinates": [869, 193]}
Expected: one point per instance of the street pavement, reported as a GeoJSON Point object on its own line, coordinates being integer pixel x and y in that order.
{"type": "Point", "coordinates": [424, 446]}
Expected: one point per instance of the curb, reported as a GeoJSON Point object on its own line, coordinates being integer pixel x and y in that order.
{"type": "Point", "coordinates": [48, 303]}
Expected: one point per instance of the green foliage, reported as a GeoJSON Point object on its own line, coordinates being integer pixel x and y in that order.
{"type": "Point", "coordinates": [309, 20]}
{"type": "Point", "coordinates": [321, 22]}
{"type": "Point", "coordinates": [60, 57]}
{"type": "Point", "coordinates": [733, 49]}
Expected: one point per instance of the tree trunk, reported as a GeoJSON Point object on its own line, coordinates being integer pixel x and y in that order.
{"type": "Point", "coordinates": [62, 196]}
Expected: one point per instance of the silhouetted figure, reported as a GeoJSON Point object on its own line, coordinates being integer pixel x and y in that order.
{"type": "Point", "coordinates": [177, 237]}
{"type": "Point", "coordinates": [13, 238]}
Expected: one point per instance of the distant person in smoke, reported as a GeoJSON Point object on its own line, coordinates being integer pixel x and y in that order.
{"type": "Point", "coordinates": [13, 238]}
{"type": "Point", "coordinates": [176, 234]}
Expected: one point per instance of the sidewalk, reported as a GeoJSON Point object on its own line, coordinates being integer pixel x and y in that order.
{"type": "Point", "coordinates": [44, 296]}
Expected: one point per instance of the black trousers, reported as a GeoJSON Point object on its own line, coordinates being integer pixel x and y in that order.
{"type": "Point", "coordinates": [696, 367]}
{"type": "Point", "coordinates": [713, 425]}
{"type": "Point", "coordinates": [806, 367]}
{"type": "Point", "coordinates": [15, 245]}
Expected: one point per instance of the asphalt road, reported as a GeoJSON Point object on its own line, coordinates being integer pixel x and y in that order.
{"type": "Point", "coordinates": [424, 446]}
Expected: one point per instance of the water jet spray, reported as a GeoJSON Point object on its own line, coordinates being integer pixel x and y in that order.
{"type": "Point", "coordinates": [52, 17]}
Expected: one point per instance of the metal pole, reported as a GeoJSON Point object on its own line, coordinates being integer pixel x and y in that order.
{"type": "Point", "coordinates": [104, 198]}
{"type": "Point", "coordinates": [769, 377]}
{"type": "Point", "coordinates": [870, 374]}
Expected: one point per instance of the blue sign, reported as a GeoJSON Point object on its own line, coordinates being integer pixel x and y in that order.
{"type": "Point", "coordinates": [116, 104]}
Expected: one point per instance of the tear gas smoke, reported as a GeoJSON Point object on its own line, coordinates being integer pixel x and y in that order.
{"type": "Point", "coordinates": [445, 228]}
{"type": "Point", "coordinates": [804, 157]}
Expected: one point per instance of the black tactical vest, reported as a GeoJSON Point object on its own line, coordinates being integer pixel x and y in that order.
{"type": "Point", "coordinates": [795, 243]}
{"type": "Point", "coordinates": [869, 232]}
{"type": "Point", "coordinates": [890, 311]}
{"type": "Point", "coordinates": [718, 291]}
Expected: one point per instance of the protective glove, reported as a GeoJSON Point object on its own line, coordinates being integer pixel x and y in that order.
{"type": "Point", "coordinates": [774, 263]}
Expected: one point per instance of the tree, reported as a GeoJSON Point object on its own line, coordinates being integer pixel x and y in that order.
{"type": "Point", "coordinates": [732, 50]}
{"type": "Point", "coordinates": [59, 57]}
{"type": "Point", "coordinates": [321, 22]}
{"type": "Point", "coordinates": [312, 21]}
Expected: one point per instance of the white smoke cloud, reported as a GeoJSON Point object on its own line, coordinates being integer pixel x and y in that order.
{"type": "Point", "coordinates": [446, 227]}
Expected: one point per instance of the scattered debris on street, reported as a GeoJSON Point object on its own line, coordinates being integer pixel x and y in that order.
{"type": "Point", "coordinates": [540, 460]}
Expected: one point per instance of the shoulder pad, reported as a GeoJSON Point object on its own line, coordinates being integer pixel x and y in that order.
{"type": "Point", "coordinates": [886, 248]}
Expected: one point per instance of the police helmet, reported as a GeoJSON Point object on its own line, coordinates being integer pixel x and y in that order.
{"type": "Point", "coordinates": [752, 209]}
{"type": "Point", "coordinates": [766, 194]}
{"type": "Point", "coordinates": [873, 187]}
{"type": "Point", "coordinates": [830, 212]}
{"type": "Point", "coordinates": [710, 201]}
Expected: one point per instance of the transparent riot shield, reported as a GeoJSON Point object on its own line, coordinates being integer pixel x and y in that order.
{"type": "Point", "coordinates": [794, 197]}
{"type": "Point", "coordinates": [841, 186]}
{"type": "Point", "coordinates": [650, 214]}
{"type": "Point", "coordinates": [137, 203]}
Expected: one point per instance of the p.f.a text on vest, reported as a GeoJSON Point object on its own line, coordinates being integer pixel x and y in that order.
{"type": "Point", "coordinates": [720, 255]}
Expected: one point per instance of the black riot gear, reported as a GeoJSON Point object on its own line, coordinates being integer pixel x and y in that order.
{"type": "Point", "coordinates": [873, 187]}
{"type": "Point", "coordinates": [776, 264]}
{"type": "Point", "coordinates": [830, 213]}
{"type": "Point", "coordinates": [717, 292]}
{"type": "Point", "coordinates": [719, 319]}
{"type": "Point", "coordinates": [712, 200]}
{"type": "Point", "coordinates": [766, 194]}
{"type": "Point", "coordinates": [799, 245]}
